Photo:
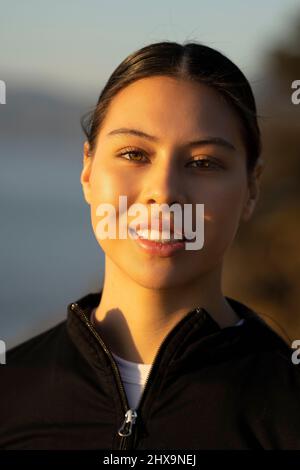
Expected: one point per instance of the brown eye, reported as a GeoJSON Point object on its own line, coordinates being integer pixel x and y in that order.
{"type": "Point", "coordinates": [205, 163]}
{"type": "Point", "coordinates": [133, 155]}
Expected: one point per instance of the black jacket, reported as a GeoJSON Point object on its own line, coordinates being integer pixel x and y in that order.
{"type": "Point", "coordinates": [209, 388]}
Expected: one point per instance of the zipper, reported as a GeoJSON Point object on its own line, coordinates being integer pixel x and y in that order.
{"type": "Point", "coordinates": [127, 430]}
{"type": "Point", "coordinates": [131, 415]}
{"type": "Point", "coordinates": [125, 405]}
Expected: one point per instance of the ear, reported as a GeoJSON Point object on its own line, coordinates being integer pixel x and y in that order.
{"type": "Point", "coordinates": [253, 190]}
{"type": "Point", "coordinates": [86, 172]}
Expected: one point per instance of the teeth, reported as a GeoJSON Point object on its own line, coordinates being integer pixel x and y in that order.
{"type": "Point", "coordinates": [156, 235]}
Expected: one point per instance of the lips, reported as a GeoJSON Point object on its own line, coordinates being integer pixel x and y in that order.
{"type": "Point", "coordinates": [159, 248]}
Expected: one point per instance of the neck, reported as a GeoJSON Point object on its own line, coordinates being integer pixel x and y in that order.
{"type": "Point", "coordinates": [133, 320]}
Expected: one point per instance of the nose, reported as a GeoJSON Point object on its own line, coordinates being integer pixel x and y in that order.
{"type": "Point", "coordinates": [163, 185]}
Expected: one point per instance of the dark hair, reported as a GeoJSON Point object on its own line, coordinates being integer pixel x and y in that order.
{"type": "Point", "coordinates": [191, 61]}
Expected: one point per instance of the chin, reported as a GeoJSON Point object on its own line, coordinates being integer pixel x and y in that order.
{"type": "Point", "coordinates": [161, 278]}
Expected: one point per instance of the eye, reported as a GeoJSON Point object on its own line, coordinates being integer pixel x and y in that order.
{"type": "Point", "coordinates": [205, 163]}
{"type": "Point", "coordinates": [132, 154]}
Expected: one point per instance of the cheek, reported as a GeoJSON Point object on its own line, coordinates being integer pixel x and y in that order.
{"type": "Point", "coordinates": [222, 209]}
{"type": "Point", "coordinates": [106, 187]}
{"type": "Point", "coordinates": [226, 205]}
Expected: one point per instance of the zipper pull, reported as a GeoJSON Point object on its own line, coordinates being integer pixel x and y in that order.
{"type": "Point", "coordinates": [130, 417]}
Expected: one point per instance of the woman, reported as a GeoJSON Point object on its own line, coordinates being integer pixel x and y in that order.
{"type": "Point", "coordinates": [160, 358]}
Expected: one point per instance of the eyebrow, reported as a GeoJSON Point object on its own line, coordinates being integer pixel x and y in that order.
{"type": "Point", "coordinates": [200, 142]}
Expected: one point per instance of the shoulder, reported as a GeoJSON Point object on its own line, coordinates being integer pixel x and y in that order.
{"type": "Point", "coordinates": [36, 370]}
{"type": "Point", "coordinates": [39, 348]}
{"type": "Point", "coordinates": [260, 340]}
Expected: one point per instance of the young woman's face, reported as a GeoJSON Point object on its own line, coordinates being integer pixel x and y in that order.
{"type": "Point", "coordinates": [168, 169]}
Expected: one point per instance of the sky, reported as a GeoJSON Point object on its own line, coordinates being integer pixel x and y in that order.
{"type": "Point", "coordinates": [70, 48]}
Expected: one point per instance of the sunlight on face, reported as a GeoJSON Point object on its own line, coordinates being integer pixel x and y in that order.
{"type": "Point", "coordinates": [188, 150]}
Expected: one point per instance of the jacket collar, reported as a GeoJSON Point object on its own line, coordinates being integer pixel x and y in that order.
{"type": "Point", "coordinates": [195, 327]}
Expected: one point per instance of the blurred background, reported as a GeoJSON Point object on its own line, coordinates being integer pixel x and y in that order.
{"type": "Point", "coordinates": [55, 59]}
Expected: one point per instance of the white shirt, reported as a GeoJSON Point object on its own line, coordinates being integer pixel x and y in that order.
{"type": "Point", "coordinates": [134, 374]}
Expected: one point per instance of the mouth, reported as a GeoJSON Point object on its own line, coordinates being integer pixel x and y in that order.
{"type": "Point", "coordinates": [159, 236]}
{"type": "Point", "coordinates": [155, 244]}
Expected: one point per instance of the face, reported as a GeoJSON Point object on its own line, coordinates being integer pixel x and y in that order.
{"type": "Point", "coordinates": [167, 168]}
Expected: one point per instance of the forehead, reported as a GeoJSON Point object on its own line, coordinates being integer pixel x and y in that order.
{"type": "Point", "coordinates": [172, 108]}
